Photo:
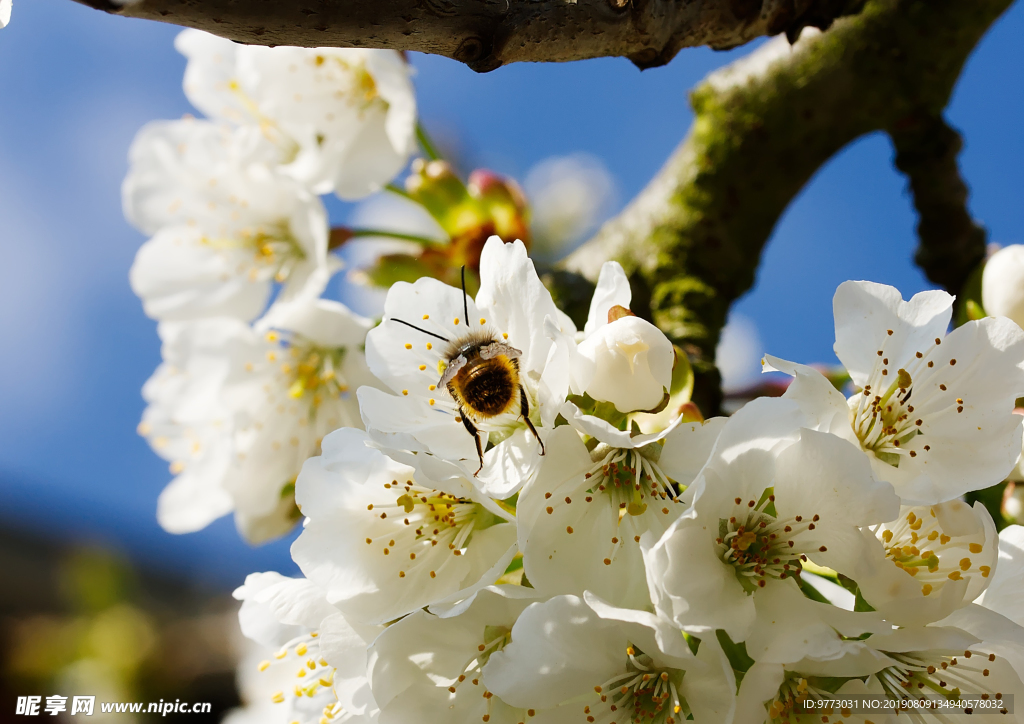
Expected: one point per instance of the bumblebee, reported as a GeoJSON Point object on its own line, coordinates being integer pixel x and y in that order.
{"type": "Point", "coordinates": [481, 373]}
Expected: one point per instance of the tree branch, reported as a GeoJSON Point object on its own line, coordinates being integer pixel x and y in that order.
{"type": "Point", "coordinates": [486, 34]}
{"type": "Point", "coordinates": [952, 244]}
{"type": "Point", "coordinates": [692, 240]}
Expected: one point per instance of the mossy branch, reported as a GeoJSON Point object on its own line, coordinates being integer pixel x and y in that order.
{"type": "Point", "coordinates": [952, 244]}
{"type": "Point", "coordinates": [692, 240]}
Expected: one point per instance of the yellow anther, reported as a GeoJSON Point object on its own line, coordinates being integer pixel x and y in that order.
{"type": "Point", "coordinates": [426, 316]}
{"type": "Point", "coordinates": [431, 401]}
{"type": "Point", "coordinates": [405, 392]}
{"type": "Point", "coordinates": [965, 564]}
{"type": "Point", "coordinates": [408, 346]}
{"type": "Point", "coordinates": [975, 548]}
{"type": "Point", "coordinates": [176, 467]}
{"type": "Point", "coordinates": [278, 698]}
{"type": "Point", "coordinates": [985, 570]}
{"type": "Point", "coordinates": [926, 589]}
{"type": "Point", "coordinates": [955, 576]}
{"type": "Point", "coordinates": [944, 539]}
{"type": "Point", "coordinates": [272, 336]}
{"type": "Point", "coordinates": [281, 654]}
{"type": "Point", "coordinates": [430, 346]}
{"type": "Point", "coordinates": [887, 536]}
{"type": "Point", "coordinates": [302, 672]}
{"type": "Point", "coordinates": [422, 367]}
{"type": "Point", "coordinates": [456, 321]}
{"type": "Point", "coordinates": [933, 535]}
{"type": "Point", "coordinates": [263, 666]}
{"type": "Point", "coordinates": [483, 321]}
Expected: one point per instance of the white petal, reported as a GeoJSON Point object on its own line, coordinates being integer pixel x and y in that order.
{"type": "Point", "coordinates": [824, 405]}
{"type": "Point", "coordinates": [691, 586]}
{"type": "Point", "coordinates": [557, 561]}
{"type": "Point", "coordinates": [865, 313]}
{"type": "Point", "coordinates": [612, 290]}
{"type": "Point", "coordinates": [560, 649]}
{"type": "Point", "coordinates": [688, 447]}
{"type": "Point", "coordinates": [852, 495]}
{"type": "Point", "coordinates": [790, 626]}
{"type": "Point", "coordinates": [179, 277]}
{"type": "Point", "coordinates": [323, 321]}
{"type": "Point", "coordinates": [1006, 589]}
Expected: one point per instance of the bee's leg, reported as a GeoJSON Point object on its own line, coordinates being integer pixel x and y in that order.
{"type": "Point", "coordinates": [476, 436]}
{"type": "Point", "coordinates": [524, 410]}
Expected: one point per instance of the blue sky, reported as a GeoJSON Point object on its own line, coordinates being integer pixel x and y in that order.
{"type": "Point", "coordinates": [75, 86]}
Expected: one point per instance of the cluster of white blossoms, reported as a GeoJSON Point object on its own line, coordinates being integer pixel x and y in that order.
{"type": "Point", "coordinates": [257, 368]}
{"type": "Point", "coordinates": [507, 519]}
{"type": "Point", "coordinates": [512, 537]}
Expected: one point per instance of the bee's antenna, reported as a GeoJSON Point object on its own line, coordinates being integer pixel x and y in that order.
{"type": "Point", "coordinates": [465, 302]}
{"type": "Point", "coordinates": [419, 329]}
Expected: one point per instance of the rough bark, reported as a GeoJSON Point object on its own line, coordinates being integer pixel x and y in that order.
{"type": "Point", "coordinates": [486, 34]}
{"type": "Point", "coordinates": [692, 240]}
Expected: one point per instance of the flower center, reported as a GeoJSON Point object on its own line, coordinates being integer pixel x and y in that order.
{"type": "Point", "coordinates": [633, 487]}
{"type": "Point", "coordinates": [643, 694]}
{"type": "Point", "coordinates": [917, 545]}
{"type": "Point", "coordinates": [275, 253]}
{"type": "Point", "coordinates": [630, 480]}
{"type": "Point", "coordinates": [761, 546]}
{"type": "Point", "coordinates": [314, 676]}
{"type": "Point", "coordinates": [788, 705]}
{"type": "Point", "coordinates": [940, 675]}
{"type": "Point", "coordinates": [310, 372]}
{"type": "Point", "coordinates": [881, 414]}
{"type": "Point", "coordinates": [433, 524]}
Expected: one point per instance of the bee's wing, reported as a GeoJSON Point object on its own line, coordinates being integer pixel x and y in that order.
{"type": "Point", "coordinates": [495, 348]}
{"type": "Point", "coordinates": [451, 370]}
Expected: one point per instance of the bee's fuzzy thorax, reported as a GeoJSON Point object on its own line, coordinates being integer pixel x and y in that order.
{"type": "Point", "coordinates": [468, 343]}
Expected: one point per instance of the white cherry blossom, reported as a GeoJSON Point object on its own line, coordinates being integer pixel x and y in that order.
{"type": "Point", "coordinates": [581, 520]}
{"type": "Point", "coordinates": [627, 360]}
{"type": "Point", "coordinates": [1002, 283]}
{"type": "Point", "coordinates": [241, 411]}
{"type": "Point", "coordinates": [781, 694]}
{"type": "Point", "coordinates": [771, 497]}
{"type": "Point", "coordinates": [315, 665]}
{"type": "Point", "coordinates": [344, 118]}
{"type": "Point", "coordinates": [225, 225]}
{"type": "Point", "coordinates": [515, 311]}
{"type": "Point", "coordinates": [573, 659]}
{"type": "Point", "coordinates": [383, 542]}
{"type": "Point", "coordinates": [5, 13]}
{"type": "Point", "coordinates": [972, 654]}
{"type": "Point", "coordinates": [933, 413]}
{"type": "Point", "coordinates": [929, 561]}
{"type": "Point", "coordinates": [432, 670]}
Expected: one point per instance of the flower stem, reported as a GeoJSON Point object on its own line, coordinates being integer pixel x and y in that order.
{"type": "Point", "coordinates": [426, 144]}
{"type": "Point", "coordinates": [415, 238]}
